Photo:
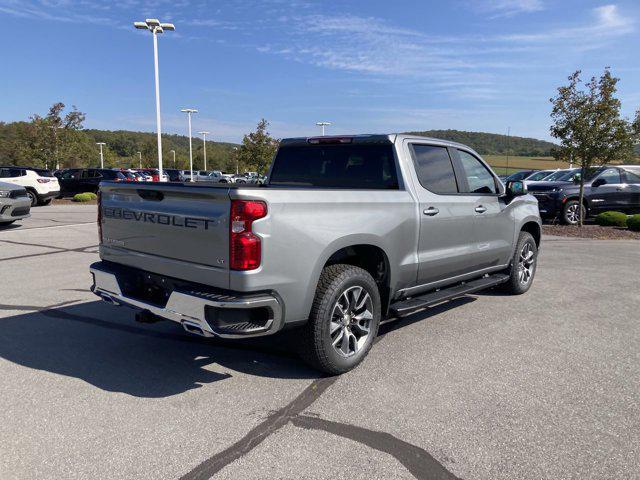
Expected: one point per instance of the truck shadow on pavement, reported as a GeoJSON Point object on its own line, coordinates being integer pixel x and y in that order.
{"type": "Point", "coordinates": [104, 346]}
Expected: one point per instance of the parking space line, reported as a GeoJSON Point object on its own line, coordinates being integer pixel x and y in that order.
{"type": "Point", "coordinates": [41, 254]}
{"type": "Point", "coordinates": [47, 226]}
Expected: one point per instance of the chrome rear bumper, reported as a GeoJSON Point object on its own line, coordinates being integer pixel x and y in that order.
{"type": "Point", "coordinates": [200, 312]}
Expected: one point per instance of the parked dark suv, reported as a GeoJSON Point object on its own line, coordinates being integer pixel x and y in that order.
{"type": "Point", "coordinates": [81, 180]}
{"type": "Point", "coordinates": [605, 188]}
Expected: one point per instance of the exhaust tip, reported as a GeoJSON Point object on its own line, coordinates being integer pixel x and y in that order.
{"type": "Point", "coordinates": [194, 328]}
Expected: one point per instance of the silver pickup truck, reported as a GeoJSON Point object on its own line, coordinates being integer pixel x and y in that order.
{"type": "Point", "coordinates": [346, 231]}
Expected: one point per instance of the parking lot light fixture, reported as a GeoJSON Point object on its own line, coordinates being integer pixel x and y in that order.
{"type": "Point", "coordinates": [322, 125]}
{"type": "Point", "coordinates": [101, 144]}
{"type": "Point", "coordinates": [174, 157]}
{"type": "Point", "coordinates": [204, 144]}
{"type": "Point", "coordinates": [155, 27]}
{"type": "Point", "coordinates": [140, 158]}
{"type": "Point", "coordinates": [189, 111]}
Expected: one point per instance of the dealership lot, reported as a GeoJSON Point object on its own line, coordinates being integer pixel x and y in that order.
{"type": "Point", "coordinates": [545, 385]}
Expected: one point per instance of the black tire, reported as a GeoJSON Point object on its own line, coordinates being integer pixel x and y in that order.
{"type": "Point", "coordinates": [45, 202]}
{"type": "Point", "coordinates": [570, 213]}
{"type": "Point", "coordinates": [317, 347]}
{"type": "Point", "coordinates": [519, 281]}
{"type": "Point", "coordinates": [33, 196]}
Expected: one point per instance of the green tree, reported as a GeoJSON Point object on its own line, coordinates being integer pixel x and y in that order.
{"type": "Point", "coordinates": [587, 122]}
{"type": "Point", "coordinates": [257, 149]}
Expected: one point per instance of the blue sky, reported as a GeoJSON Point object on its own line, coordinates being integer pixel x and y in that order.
{"type": "Point", "coordinates": [365, 65]}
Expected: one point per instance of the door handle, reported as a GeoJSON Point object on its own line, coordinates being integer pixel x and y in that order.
{"type": "Point", "coordinates": [480, 209]}
{"type": "Point", "coordinates": [431, 211]}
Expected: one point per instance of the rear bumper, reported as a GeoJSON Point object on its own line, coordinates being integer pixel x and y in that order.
{"type": "Point", "coordinates": [206, 312]}
{"type": "Point", "coordinates": [48, 195]}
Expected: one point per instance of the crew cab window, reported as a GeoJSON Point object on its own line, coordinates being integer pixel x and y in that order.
{"type": "Point", "coordinates": [434, 168]}
{"type": "Point", "coordinates": [479, 178]}
{"type": "Point", "coordinates": [611, 176]}
{"type": "Point", "coordinates": [336, 166]}
{"type": "Point", "coordinates": [632, 176]}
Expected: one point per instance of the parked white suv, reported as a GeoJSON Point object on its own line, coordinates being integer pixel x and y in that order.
{"type": "Point", "coordinates": [40, 184]}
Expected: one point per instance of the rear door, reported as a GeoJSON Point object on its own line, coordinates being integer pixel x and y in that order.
{"type": "Point", "coordinates": [611, 195]}
{"type": "Point", "coordinates": [445, 245]}
{"type": "Point", "coordinates": [492, 220]}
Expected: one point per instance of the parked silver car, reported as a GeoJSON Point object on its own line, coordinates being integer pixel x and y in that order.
{"type": "Point", "coordinates": [15, 203]}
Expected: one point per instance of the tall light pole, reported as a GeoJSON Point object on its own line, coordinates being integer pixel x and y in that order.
{"type": "Point", "coordinates": [174, 158]}
{"type": "Point", "coordinates": [508, 148]}
{"type": "Point", "coordinates": [140, 158]}
{"type": "Point", "coordinates": [322, 125]}
{"type": "Point", "coordinates": [155, 27]}
{"type": "Point", "coordinates": [204, 143]}
{"type": "Point", "coordinates": [101, 144]}
{"type": "Point", "coordinates": [235, 150]}
{"type": "Point", "coordinates": [189, 111]}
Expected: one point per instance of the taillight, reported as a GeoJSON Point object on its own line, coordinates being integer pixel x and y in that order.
{"type": "Point", "coordinates": [99, 199]}
{"type": "Point", "coordinates": [245, 247]}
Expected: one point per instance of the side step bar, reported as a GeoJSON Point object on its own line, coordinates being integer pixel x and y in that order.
{"type": "Point", "coordinates": [406, 307]}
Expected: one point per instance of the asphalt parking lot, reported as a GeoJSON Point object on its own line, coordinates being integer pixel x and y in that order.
{"type": "Point", "coordinates": [546, 385]}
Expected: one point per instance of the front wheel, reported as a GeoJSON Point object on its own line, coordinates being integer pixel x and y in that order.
{"type": "Point", "coordinates": [523, 265]}
{"type": "Point", "coordinates": [344, 319]}
{"type": "Point", "coordinates": [32, 197]}
{"type": "Point", "coordinates": [571, 213]}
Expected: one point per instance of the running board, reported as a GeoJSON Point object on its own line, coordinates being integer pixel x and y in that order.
{"type": "Point", "coordinates": [405, 307]}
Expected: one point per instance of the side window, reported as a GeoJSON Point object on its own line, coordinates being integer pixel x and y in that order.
{"type": "Point", "coordinates": [611, 176]}
{"type": "Point", "coordinates": [434, 168]}
{"type": "Point", "coordinates": [4, 173]}
{"type": "Point", "coordinates": [632, 176]}
{"type": "Point", "coordinates": [479, 178]}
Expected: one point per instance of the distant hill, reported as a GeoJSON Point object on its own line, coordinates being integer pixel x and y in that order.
{"type": "Point", "coordinates": [125, 144]}
{"type": "Point", "coordinates": [493, 143]}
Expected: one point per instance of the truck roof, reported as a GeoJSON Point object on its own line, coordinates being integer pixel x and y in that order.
{"type": "Point", "coordinates": [368, 139]}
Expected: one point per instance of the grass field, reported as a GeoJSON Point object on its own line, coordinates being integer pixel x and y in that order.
{"type": "Point", "coordinates": [514, 163]}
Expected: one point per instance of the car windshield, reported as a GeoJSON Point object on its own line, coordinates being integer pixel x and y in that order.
{"type": "Point", "coordinates": [538, 175]}
{"type": "Point", "coordinates": [518, 176]}
{"type": "Point", "coordinates": [568, 175]}
{"type": "Point", "coordinates": [555, 175]}
{"type": "Point", "coordinates": [42, 172]}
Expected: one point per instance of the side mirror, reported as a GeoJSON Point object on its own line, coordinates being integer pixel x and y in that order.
{"type": "Point", "coordinates": [516, 188]}
{"type": "Point", "coordinates": [598, 182]}
{"type": "Point", "coordinates": [576, 178]}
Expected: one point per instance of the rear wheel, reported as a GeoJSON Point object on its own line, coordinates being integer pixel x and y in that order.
{"type": "Point", "coordinates": [523, 265]}
{"type": "Point", "coordinates": [344, 319]}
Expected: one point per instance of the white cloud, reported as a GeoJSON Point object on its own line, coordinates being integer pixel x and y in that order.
{"type": "Point", "coordinates": [608, 23]}
{"type": "Point", "coordinates": [508, 8]}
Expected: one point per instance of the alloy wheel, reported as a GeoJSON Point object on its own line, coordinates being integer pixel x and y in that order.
{"type": "Point", "coordinates": [351, 319]}
{"type": "Point", "coordinates": [526, 263]}
{"type": "Point", "coordinates": [573, 213]}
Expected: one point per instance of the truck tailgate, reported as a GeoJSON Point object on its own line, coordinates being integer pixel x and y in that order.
{"type": "Point", "coordinates": [164, 227]}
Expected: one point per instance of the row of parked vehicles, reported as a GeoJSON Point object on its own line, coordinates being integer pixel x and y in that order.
{"type": "Point", "coordinates": [41, 185]}
{"type": "Point", "coordinates": [610, 187]}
